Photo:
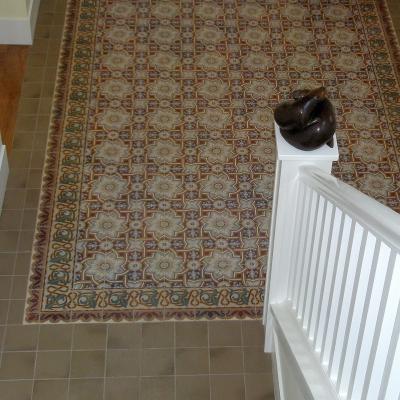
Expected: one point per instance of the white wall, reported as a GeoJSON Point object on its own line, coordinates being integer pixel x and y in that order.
{"type": "Point", "coordinates": [18, 21]}
{"type": "Point", "coordinates": [14, 8]}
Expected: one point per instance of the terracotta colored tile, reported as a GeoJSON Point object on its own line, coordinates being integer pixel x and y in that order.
{"type": "Point", "coordinates": [158, 335]}
{"type": "Point", "coordinates": [156, 362]}
{"type": "Point", "coordinates": [16, 390]}
{"type": "Point", "coordinates": [227, 387]}
{"type": "Point", "coordinates": [157, 388]}
{"type": "Point", "coordinates": [125, 336]}
{"type": "Point", "coordinates": [17, 365]}
{"type": "Point", "coordinates": [21, 338]}
{"type": "Point", "coordinates": [121, 388]}
{"type": "Point", "coordinates": [123, 363]}
{"type": "Point", "coordinates": [56, 337]}
{"type": "Point", "coordinates": [259, 386]}
{"type": "Point", "coordinates": [87, 364]}
{"type": "Point", "coordinates": [191, 334]}
{"type": "Point", "coordinates": [226, 360]}
{"type": "Point", "coordinates": [52, 364]}
{"type": "Point", "coordinates": [225, 333]}
{"type": "Point", "coordinates": [192, 387]}
{"type": "Point", "coordinates": [50, 389]}
{"type": "Point", "coordinates": [90, 337]}
{"type": "Point", "coordinates": [192, 361]}
{"type": "Point", "coordinates": [86, 389]}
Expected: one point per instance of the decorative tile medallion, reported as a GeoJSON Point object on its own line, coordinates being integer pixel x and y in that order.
{"type": "Point", "coordinates": [160, 163]}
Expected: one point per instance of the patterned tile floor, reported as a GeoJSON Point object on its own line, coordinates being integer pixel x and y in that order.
{"type": "Point", "coordinates": [200, 360]}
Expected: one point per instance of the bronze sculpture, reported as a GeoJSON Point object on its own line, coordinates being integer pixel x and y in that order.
{"type": "Point", "coordinates": [308, 122]}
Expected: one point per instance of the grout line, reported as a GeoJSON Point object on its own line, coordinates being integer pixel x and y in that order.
{"type": "Point", "coordinates": [130, 376]}
{"type": "Point", "coordinates": [243, 367]}
{"type": "Point", "coordinates": [175, 388]}
{"type": "Point", "coordinates": [209, 360]}
{"type": "Point", "coordinates": [35, 362]}
{"type": "Point", "coordinates": [127, 348]}
{"type": "Point", "coordinates": [105, 364]}
{"type": "Point", "coordinates": [70, 360]}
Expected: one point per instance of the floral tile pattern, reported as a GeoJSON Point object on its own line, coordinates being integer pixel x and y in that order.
{"type": "Point", "coordinates": [160, 163]}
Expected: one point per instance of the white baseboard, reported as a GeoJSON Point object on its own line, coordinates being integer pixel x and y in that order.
{"type": "Point", "coordinates": [20, 30]}
{"type": "Point", "coordinates": [4, 171]}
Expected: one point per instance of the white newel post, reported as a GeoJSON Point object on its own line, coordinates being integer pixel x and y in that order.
{"type": "Point", "coordinates": [4, 170]}
{"type": "Point", "coordinates": [289, 160]}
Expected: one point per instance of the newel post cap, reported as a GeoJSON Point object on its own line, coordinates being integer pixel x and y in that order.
{"type": "Point", "coordinates": [286, 151]}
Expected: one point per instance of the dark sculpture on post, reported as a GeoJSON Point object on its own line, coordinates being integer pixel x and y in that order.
{"type": "Point", "coordinates": [308, 122]}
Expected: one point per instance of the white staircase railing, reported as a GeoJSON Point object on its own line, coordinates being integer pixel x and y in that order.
{"type": "Point", "coordinates": [333, 295]}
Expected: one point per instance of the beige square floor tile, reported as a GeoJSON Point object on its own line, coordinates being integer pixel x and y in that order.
{"type": "Point", "coordinates": [225, 333]}
{"type": "Point", "coordinates": [90, 336]}
{"type": "Point", "coordinates": [56, 337]}
{"type": "Point", "coordinates": [226, 360]}
{"type": "Point", "coordinates": [157, 388]}
{"type": "Point", "coordinates": [10, 220]}
{"type": "Point", "coordinates": [87, 364]}
{"type": "Point", "coordinates": [122, 388]}
{"type": "Point", "coordinates": [256, 361]}
{"type": "Point", "coordinates": [227, 387]}
{"type": "Point", "coordinates": [16, 312]}
{"type": "Point", "coordinates": [191, 334]}
{"type": "Point", "coordinates": [193, 387]}
{"type": "Point", "coordinates": [125, 336]}
{"type": "Point", "coordinates": [123, 363]}
{"type": "Point", "coordinates": [22, 263]}
{"type": "Point", "coordinates": [8, 241]}
{"type": "Point", "coordinates": [192, 361]}
{"type": "Point", "coordinates": [17, 365]}
{"type": "Point", "coordinates": [158, 334]}
{"type": "Point", "coordinates": [3, 311]}
{"type": "Point", "coordinates": [156, 362]}
{"type": "Point", "coordinates": [5, 287]}
{"type": "Point", "coordinates": [52, 364]}
{"type": "Point", "coordinates": [86, 389]}
{"type": "Point", "coordinates": [16, 390]}
{"type": "Point", "coordinates": [253, 333]}
{"type": "Point", "coordinates": [7, 261]}
{"type": "Point", "coordinates": [14, 199]}
{"type": "Point", "coordinates": [53, 389]}
{"type": "Point", "coordinates": [19, 286]}
{"type": "Point", "coordinates": [259, 386]}
{"type": "Point", "coordinates": [21, 338]}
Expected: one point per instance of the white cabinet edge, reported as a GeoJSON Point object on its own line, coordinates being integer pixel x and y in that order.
{"type": "Point", "coordinates": [4, 171]}
{"type": "Point", "coordinates": [20, 30]}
